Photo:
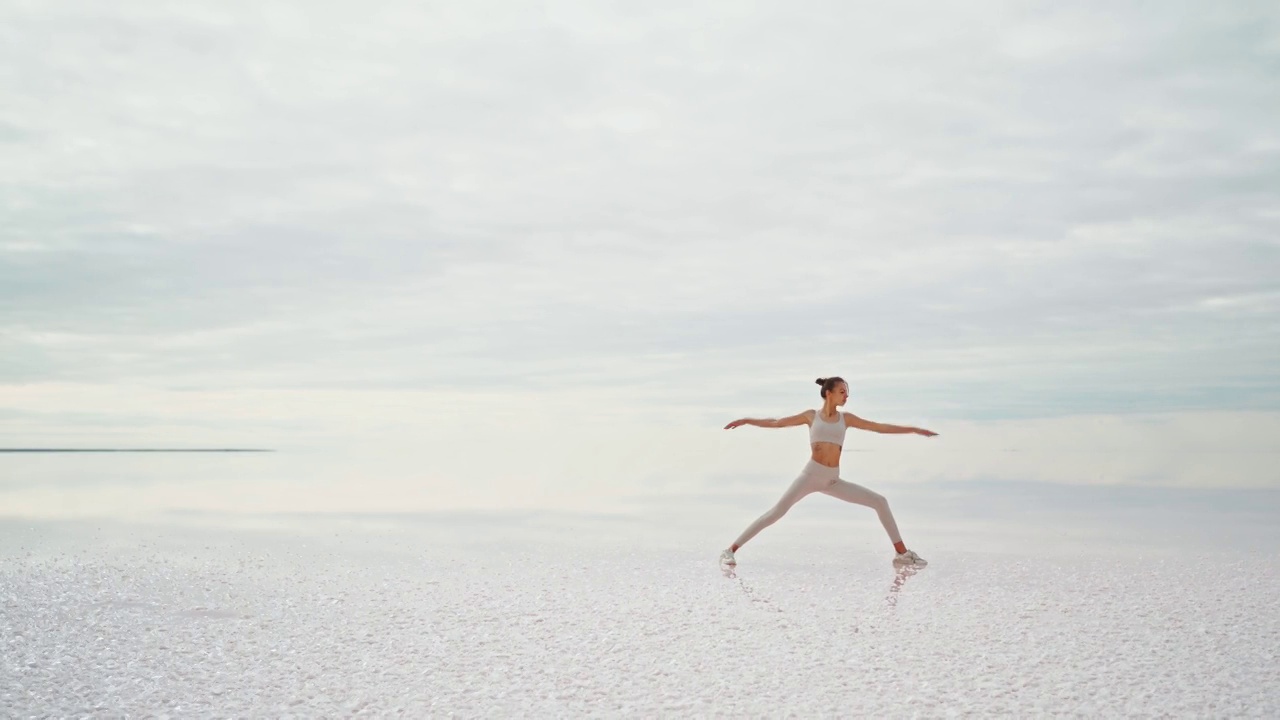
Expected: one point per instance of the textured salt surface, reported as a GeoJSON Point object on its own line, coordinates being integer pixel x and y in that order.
{"type": "Point", "coordinates": [151, 622]}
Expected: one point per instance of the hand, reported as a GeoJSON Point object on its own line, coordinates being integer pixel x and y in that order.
{"type": "Point", "coordinates": [922, 431]}
{"type": "Point", "coordinates": [736, 423]}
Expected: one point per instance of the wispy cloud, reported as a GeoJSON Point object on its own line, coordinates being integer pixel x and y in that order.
{"type": "Point", "coordinates": [1006, 211]}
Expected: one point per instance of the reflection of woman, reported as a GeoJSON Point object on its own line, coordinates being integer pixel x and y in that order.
{"type": "Point", "coordinates": [822, 473]}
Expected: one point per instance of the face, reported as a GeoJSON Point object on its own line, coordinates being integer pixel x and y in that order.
{"type": "Point", "coordinates": [840, 393]}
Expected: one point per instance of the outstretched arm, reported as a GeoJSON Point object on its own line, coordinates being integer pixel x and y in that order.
{"type": "Point", "coordinates": [854, 421]}
{"type": "Point", "coordinates": [800, 419]}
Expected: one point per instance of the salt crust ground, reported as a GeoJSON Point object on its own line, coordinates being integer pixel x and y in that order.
{"type": "Point", "coordinates": [154, 622]}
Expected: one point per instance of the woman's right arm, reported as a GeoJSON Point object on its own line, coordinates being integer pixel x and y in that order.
{"type": "Point", "coordinates": [800, 419]}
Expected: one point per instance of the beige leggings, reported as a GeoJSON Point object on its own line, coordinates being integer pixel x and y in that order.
{"type": "Point", "coordinates": [819, 478]}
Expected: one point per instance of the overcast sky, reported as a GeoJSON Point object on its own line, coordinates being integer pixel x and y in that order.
{"type": "Point", "coordinates": [272, 221]}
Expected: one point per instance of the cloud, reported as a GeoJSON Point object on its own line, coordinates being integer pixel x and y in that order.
{"type": "Point", "coordinates": [996, 212]}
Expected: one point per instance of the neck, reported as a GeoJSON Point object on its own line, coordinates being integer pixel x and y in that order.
{"type": "Point", "coordinates": [829, 408]}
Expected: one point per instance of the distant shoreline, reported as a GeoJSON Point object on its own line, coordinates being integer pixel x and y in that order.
{"type": "Point", "coordinates": [134, 450]}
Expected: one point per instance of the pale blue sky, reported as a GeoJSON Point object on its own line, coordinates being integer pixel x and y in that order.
{"type": "Point", "coordinates": [286, 223]}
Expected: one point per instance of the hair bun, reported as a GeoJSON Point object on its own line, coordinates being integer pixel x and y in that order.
{"type": "Point", "coordinates": [821, 381]}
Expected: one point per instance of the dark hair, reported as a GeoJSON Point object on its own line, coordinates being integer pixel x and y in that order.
{"type": "Point", "coordinates": [829, 384]}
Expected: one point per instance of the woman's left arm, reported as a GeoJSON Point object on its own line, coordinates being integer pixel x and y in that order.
{"type": "Point", "coordinates": [854, 421]}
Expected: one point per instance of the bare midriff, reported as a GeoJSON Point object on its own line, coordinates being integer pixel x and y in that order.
{"type": "Point", "coordinates": [825, 453]}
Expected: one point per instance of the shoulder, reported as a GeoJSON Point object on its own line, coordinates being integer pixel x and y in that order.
{"type": "Point", "coordinates": [853, 421]}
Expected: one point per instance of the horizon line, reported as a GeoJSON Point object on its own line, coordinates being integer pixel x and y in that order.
{"type": "Point", "coordinates": [134, 450]}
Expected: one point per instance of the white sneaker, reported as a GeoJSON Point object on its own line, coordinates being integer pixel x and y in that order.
{"type": "Point", "coordinates": [909, 559]}
{"type": "Point", "coordinates": [726, 558]}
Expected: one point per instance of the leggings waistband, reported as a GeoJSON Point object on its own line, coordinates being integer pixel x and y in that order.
{"type": "Point", "coordinates": [815, 468]}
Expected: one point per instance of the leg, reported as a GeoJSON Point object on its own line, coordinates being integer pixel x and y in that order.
{"type": "Point", "coordinates": [850, 492]}
{"type": "Point", "coordinates": [802, 486]}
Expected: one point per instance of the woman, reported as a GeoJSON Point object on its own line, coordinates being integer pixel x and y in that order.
{"type": "Point", "coordinates": [822, 474]}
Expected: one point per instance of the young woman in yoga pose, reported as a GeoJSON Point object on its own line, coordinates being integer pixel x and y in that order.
{"type": "Point", "coordinates": [822, 473]}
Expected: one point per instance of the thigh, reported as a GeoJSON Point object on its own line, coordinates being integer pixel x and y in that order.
{"type": "Point", "coordinates": [802, 486]}
{"type": "Point", "coordinates": [851, 492]}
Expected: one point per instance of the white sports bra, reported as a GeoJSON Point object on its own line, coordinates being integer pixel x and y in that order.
{"type": "Point", "coordinates": [824, 431]}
